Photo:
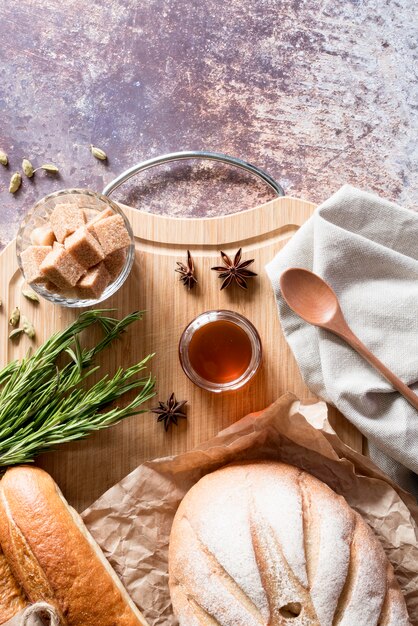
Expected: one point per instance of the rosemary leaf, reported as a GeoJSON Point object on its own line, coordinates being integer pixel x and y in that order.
{"type": "Point", "coordinates": [43, 404]}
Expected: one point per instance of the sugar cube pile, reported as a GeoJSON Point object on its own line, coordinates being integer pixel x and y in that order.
{"type": "Point", "coordinates": [78, 253]}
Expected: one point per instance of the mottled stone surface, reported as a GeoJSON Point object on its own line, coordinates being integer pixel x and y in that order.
{"type": "Point", "coordinates": [316, 92]}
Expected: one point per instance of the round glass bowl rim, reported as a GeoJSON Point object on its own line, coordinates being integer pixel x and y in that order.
{"type": "Point", "coordinates": [114, 286]}
{"type": "Point", "coordinates": [214, 316]}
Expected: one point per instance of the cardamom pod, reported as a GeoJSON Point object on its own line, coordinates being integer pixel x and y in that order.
{"type": "Point", "coordinates": [15, 182]}
{"type": "Point", "coordinates": [27, 168]}
{"type": "Point", "coordinates": [16, 333]}
{"type": "Point", "coordinates": [15, 317]}
{"type": "Point", "coordinates": [30, 295]}
{"type": "Point", "coordinates": [50, 167]}
{"type": "Point", "coordinates": [28, 327]}
{"type": "Point", "coordinates": [98, 153]}
{"type": "Point", "coordinates": [3, 158]}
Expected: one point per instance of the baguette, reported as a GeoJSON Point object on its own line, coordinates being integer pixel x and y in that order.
{"type": "Point", "coordinates": [12, 596]}
{"type": "Point", "coordinates": [268, 544]}
{"type": "Point", "coordinates": [54, 558]}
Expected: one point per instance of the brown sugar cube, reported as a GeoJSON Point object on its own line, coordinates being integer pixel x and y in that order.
{"type": "Point", "coordinates": [112, 234]}
{"type": "Point", "coordinates": [98, 215]}
{"type": "Point", "coordinates": [115, 262]}
{"type": "Point", "coordinates": [51, 287]}
{"type": "Point", "coordinates": [84, 247]}
{"type": "Point", "coordinates": [42, 236]}
{"type": "Point", "coordinates": [65, 293]}
{"type": "Point", "coordinates": [31, 259]}
{"type": "Point", "coordinates": [93, 284]}
{"type": "Point", "coordinates": [65, 219]}
{"type": "Point", "coordinates": [89, 214]}
{"type": "Point", "coordinates": [61, 268]}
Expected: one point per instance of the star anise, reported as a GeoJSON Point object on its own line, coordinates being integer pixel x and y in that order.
{"type": "Point", "coordinates": [169, 412]}
{"type": "Point", "coordinates": [187, 272]}
{"type": "Point", "coordinates": [234, 270]}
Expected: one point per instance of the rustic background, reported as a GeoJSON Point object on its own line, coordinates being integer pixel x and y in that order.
{"type": "Point", "coordinates": [317, 92]}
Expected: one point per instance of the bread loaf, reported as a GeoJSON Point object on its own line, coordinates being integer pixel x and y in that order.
{"type": "Point", "coordinates": [54, 558]}
{"type": "Point", "coordinates": [260, 544]}
{"type": "Point", "coordinates": [12, 597]}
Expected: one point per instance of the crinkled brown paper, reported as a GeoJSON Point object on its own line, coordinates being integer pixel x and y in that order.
{"type": "Point", "coordinates": [132, 521]}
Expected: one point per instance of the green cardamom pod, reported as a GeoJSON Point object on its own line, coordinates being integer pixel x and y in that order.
{"type": "Point", "coordinates": [98, 153]}
{"type": "Point", "coordinates": [15, 182]}
{"type": "Point", "coordinates": [30, 295]}
{"type": "Point", "coordinates": [50, 167]}
{"type": "Point", "coordinates": [16, 333]}
{"type": "Point", "coordinates": [27, 167]}
{"type": "Point", "coordinates": [28, 327]}
{"type": "Point", "coordinates": [3, 158]}
{"type": "Point", "coordinates": [15, 317]}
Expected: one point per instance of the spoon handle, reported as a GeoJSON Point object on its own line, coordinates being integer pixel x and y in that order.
{"type": "Point", "coordinates": [348, 335]}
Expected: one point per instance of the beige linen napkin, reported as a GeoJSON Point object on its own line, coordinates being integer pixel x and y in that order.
{"type": "Point", "coordinates": [366, 248]}
{"type": "Point", "coordinates": [39, 614]}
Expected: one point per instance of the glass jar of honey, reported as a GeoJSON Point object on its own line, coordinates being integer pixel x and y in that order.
{"type": "Point", "coordinates": [220, 351]}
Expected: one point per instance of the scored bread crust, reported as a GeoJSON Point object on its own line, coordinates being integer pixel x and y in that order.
{"type": "Point", "coordinates": [266, 543]}
{"type": "Point", "coordinates": [54, 558]}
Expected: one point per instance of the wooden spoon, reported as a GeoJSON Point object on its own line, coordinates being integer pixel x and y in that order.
{"type": "Point", "coordinates": [316, 302]}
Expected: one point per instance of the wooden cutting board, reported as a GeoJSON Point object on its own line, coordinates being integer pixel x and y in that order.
{"type": "Point", "coordinates": [85, 469]}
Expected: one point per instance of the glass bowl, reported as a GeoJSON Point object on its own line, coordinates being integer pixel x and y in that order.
{"type": "Point", "coordinates": [217, 316]}
{"type": "Point", "coordinates": [39, 216]}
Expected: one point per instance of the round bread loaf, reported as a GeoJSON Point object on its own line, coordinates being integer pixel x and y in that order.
{"type": "Point", "coordinates": [54, 558]}
{"type": "Point", "coordinates": [266, 544]}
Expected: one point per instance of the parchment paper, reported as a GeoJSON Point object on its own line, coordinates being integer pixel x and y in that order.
{"type": "Point", "coordinates": [132, 521]}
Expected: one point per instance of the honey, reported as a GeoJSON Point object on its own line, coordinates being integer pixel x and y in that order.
{"type": "Point", "coordinates": [220, 352]}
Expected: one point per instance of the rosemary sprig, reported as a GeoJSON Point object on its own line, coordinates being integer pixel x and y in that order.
{"type": "Point", "coordinates": [43, 404]}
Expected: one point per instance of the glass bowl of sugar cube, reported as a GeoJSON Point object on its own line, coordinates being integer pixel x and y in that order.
{"type": "Point", "coordinates": [75, 248]}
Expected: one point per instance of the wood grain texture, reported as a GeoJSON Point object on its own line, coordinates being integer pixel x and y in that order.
{"type": "Point", "coordinates": [84, 470]}
{"type": "Point", "coordinates": [318, 93]}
